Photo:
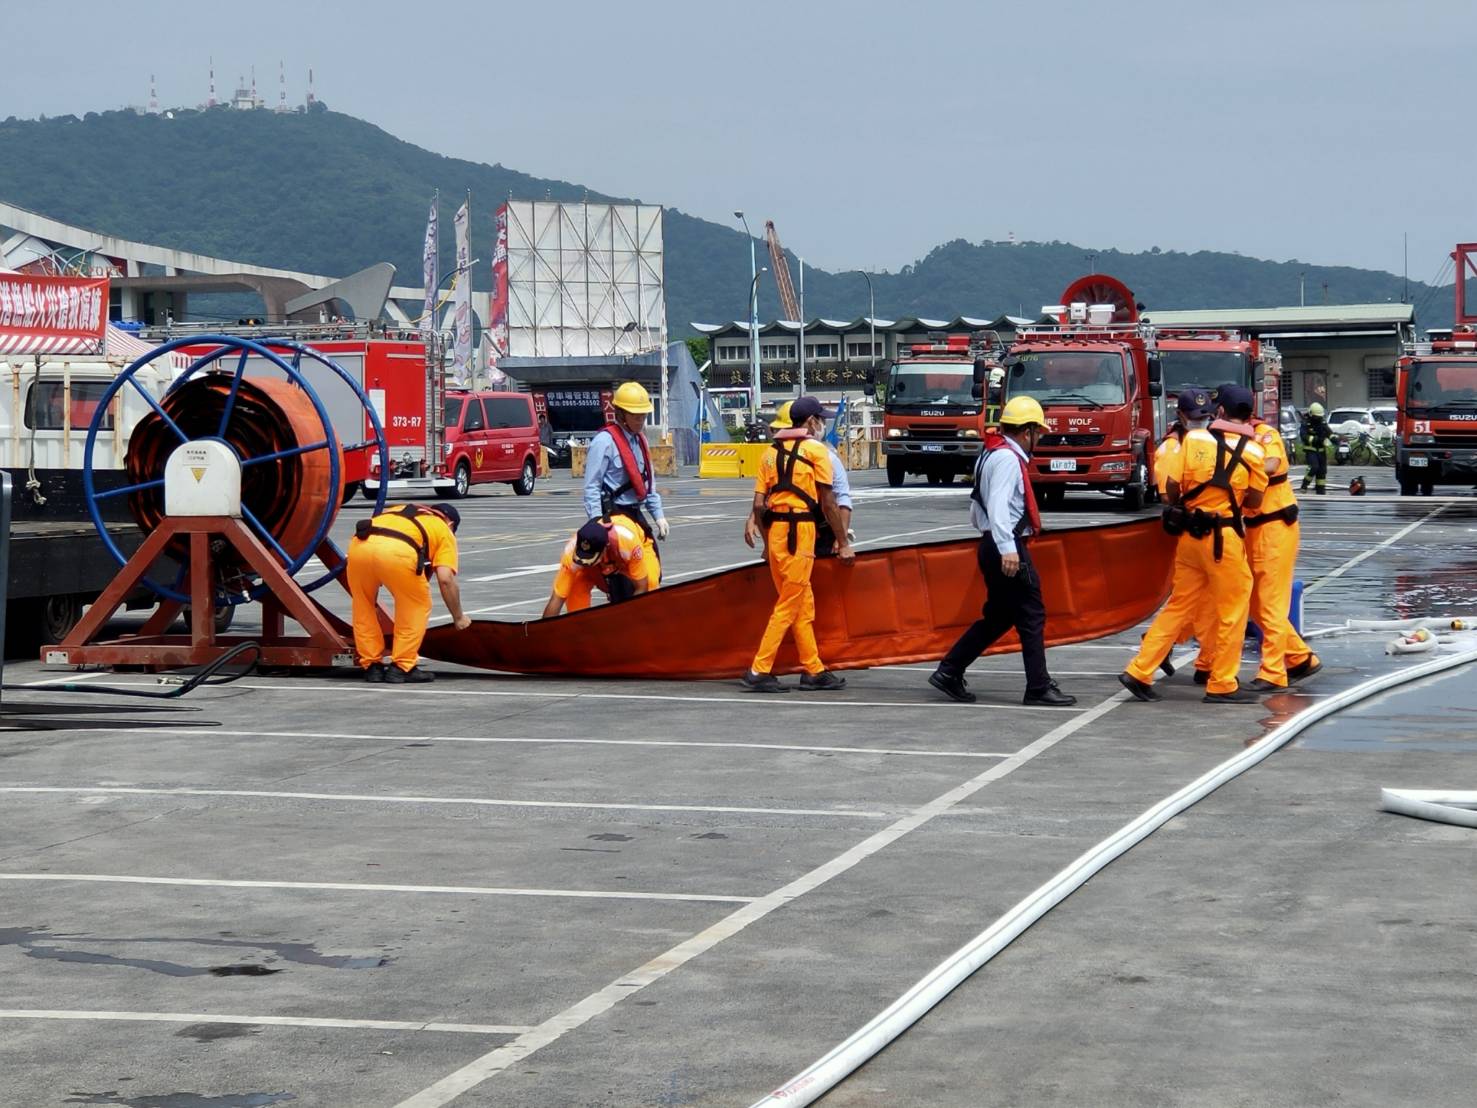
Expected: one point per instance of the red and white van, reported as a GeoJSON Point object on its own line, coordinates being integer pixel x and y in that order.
{"type": "Point", "coordinates": [490, 436]}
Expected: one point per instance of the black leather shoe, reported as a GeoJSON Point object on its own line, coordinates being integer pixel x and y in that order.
{"type": "Point", "coordinates": [1238, 696]}
{"type": "Point", "coordinates": [1049, 698]}
{"type": "Point", "coordinates": [1141, 690]}
{"type": "Point", "coordinates": [763, 682]}
{"type": "Point", "coordinates": [374, 673]}
{"type": "Point", "coordinates": [824, 681]}
{"type": "Point", "coordinates": [1305, 669]}
{"type": "Point", "coordinates": [1202, 676]}
{"type": "Point", "coordinates": [416, 676]}
{"type": "Point", "coordinates": [394, 675]}
{"type": "Point", "coordinates": [1262, 685]}
{"type": "Point", "coordinates": [1166, 667]}
{"type": "Point", "coordinates": [952, 687]}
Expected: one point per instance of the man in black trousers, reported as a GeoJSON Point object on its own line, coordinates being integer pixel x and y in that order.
{"type": "Point", "coordinates": [1003, 508]}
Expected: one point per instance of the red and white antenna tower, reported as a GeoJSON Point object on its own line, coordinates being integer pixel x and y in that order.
{"type": "Point", "coordinates": [153, 97]}
{"type": "Point", "coordinates": [281, 87]}
{"type": "Point", "coordinates": [210, 103]}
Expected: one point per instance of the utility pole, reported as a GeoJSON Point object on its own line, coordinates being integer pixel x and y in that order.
{"type": "Point", "coordinates": [754, 272]}
{"type": "Point", "coordinates": [802, 325]}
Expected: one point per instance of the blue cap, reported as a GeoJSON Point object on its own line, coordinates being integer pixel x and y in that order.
{"type": "Point", "coordinates": [453, 516]}
{"type": "Point", "coordinates": [1195, 402]}
{"type": "Point", "coordinates": [807, 407]}
{"type": "Point", "coordinates": [590, 542]}
{"type": "Point", "coordinates": [1237, 400]}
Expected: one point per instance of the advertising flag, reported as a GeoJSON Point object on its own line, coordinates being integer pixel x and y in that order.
{"type": "Point", "coordinates": [461, 350]}
{"type": "Point", "coordinates": [430, 261]}
{"type": "Point", "coordinates": [496, 332]}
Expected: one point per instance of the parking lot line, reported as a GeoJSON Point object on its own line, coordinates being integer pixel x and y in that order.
{"type": "Point", "coordinates": [364, 887]}
{"type": "Point", "coordinates": [499, 1059]}
{"type": "Point", "coordinates": [264, 1021]}
{"type": "Point", "coordinates": [829, 701]}
{"type": "Point", "coordinates": [804, 749]}
{"type": "Point", "coordinates": [475, 801]}
{"type": "Point", "coordinates": [1372, 551]}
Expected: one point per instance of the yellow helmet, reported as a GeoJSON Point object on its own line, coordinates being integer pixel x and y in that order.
{"type": "Point", "coordinates": [782, 420]}
{"type": "Point", "coordinates": [1315, 409]}
{"type": "Point", "coordinates": [1022, 411]}
{"type": "Point", "coordinates": [631, 397]}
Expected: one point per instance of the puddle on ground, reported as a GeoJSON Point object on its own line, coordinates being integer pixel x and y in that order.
{"type": "Point", "coordinates": [183, 1100]}
{"type": "Point", "coordinates": [1437, 715]}
{"type": "Point", "coordinates": [39, 943]}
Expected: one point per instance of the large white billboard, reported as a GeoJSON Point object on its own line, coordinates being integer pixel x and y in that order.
{"type": "Point", "coordinates": [582, 279]}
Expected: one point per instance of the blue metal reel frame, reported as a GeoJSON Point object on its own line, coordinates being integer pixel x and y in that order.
{"type": "Point", "coordinates": [226, 344]}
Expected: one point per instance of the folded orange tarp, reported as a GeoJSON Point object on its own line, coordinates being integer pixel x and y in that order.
{"type": "Point", "coordinates": [903, 604]}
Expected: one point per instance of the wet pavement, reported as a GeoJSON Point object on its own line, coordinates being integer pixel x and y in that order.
{"type": "Point", "coordinates": [312, 891]}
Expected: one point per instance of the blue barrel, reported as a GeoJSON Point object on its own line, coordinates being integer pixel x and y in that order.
{"type": "Point", "coordinates": [1294, 614]}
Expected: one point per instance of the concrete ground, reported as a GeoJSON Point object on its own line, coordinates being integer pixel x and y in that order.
{"type": "Point", "coordinates": [523, 892]}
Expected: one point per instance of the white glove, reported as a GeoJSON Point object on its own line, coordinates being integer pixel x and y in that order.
{"type": "Point", "coordinates": [850, 535]}
{"type": "Point", "coordinates": [663, 528]}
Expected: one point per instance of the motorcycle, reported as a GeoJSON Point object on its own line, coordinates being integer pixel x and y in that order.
{"type": "Point", "coordinates": [1342, 447]}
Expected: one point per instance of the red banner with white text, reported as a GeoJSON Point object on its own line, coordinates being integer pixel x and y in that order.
{"type": "Point", "coordinates": [43, 315]}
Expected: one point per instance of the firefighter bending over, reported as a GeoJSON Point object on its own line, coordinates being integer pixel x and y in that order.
{"type": "Point", "coordinates": [402, 550]}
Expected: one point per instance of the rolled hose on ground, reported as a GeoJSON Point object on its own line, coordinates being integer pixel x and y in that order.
{"type": "Point", "coordinates": [828, 1071]}
{"type": "Point", "coordinates": [1440, 806]}
{"type": "Point", "coordinates": [1429, 623]}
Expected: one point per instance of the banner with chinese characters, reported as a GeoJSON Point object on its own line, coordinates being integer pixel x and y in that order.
{"type": "Point", "coordinates": [430, 267]}
{"type": "Point", "coordinates": [52, 314]}
{"type": "Point", "coordinates": [461, 348]}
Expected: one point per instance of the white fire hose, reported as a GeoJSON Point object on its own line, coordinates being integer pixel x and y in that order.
{"type": "Point", "coordinates": [822, 1075]}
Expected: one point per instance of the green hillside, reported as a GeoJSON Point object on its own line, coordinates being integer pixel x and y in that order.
{"type": "Point", "coordinates": [327, 193]}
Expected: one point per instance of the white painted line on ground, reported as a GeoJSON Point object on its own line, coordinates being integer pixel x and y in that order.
{"type": "Point", "coordinates": [474, 801]}
{"type": "Point", "coordinates": [495, 1061]}
{"type": "Point", "coordinates": [1372, 551]}
{"type": "Point", "coordinates": [522, 571]}
{"type": "Point", "coordinates": [196, 733]}
{"type": "Point", "coordinates": [263, 1021]}
{"type": "Point", "coordinates": [357, 887]}
{"type": "Point", "coordinates": [820, 700]}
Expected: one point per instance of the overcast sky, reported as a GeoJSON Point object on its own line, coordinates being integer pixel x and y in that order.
{"type": "Point", "coordinates": [869, 132]}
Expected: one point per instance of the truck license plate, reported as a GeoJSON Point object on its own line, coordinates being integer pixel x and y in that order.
{"type": "Point", "coordinates": [1419, 460]}
{"type": "Point", "coordinates": [1064, 465]}
{"type": "Point", "coordinates": [933, 447]}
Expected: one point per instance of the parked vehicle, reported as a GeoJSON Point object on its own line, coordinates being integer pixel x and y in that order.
{"type": "Point", "coordinates": [1384, 419]}
{"type": "Point", "coordinates": [1212, 357]}
{"type": "Point", "coordinates": [1363, 417]}
{"type": "Point", "coordinates": [490, 436]}
{"type": "Point", "coordinates": [1099, 386]}
{"type": "Point", "coordinates": [932, 422]}
{"type": "Point", "coordinates": [1289, 425]}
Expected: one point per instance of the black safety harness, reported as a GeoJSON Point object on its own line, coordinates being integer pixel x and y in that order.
{"type": "Point", "coordinates": [1288, 515]}
{"type": "Point", "coordinates": [1197, 523]}
{"type": "Point", "coordinates": [365, 528]}
{"type": "Point", "coordinates": [784, 468]}
{"type": "Point", "coordinates": [1022, 525]}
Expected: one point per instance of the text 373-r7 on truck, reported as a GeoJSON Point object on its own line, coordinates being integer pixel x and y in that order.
{"type": "Point", "coordinates": [1096, 376]}
{"type": "Point", "coordinates": [931, 421]}
{"type": "Point", "coordinates": [1436, 393]}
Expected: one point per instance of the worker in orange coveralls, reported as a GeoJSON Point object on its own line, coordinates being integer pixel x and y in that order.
{"type": "Point", "coordinates": [401, 550]}
{"type": "Point", "coordinates": [1272, 535]}
{"type": "Point", "coordinates": [792, 495]}
{"type": "Point", "coordinates": [1214, 473]}
{"type": "Point", "coordinates": [601, 554]}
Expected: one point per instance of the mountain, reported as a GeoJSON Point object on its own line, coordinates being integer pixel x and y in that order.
{"type": "Point", "coordinates": [328, 193]}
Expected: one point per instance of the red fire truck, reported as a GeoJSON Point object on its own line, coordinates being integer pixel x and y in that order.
{"type": "Point", "coordinates": [931, 421]}
{"type": "Point", "coordinates": [1211, 357]}
{"type": "Point", "coordinates": [1436, 395]}
{"type": "Point", "coordinates": [1096, 375]}
{"type": "Point", "coordinates": [409, 400]}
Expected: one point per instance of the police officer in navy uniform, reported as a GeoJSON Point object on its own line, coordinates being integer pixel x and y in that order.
{"type": "Point", "coordinates": [1003, 508]}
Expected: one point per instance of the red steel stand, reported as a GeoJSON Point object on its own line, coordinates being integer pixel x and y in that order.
{"type": "Point", "coordinates": [328, 640]}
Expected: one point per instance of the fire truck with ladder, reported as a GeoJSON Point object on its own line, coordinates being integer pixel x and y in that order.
{"type": "Point", "coordinates": [1436, 397]}
{"type": "Point", "coordinates": [1096, 373]}
{"type": "Point", "coordinates": [932, 419]}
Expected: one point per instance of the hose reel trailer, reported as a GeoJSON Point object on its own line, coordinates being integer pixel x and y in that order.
{"type": "Point", "coordinates": [235, 480]}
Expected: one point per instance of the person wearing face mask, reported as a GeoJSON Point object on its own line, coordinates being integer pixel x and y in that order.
{"type": "Point", "coordinates": [1003, 509]}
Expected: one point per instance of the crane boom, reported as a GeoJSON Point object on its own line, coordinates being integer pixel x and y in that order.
{"type": "Point", "coordinates": [781, 272]}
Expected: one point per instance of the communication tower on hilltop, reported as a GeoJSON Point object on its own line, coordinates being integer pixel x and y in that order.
{"type": "Point", "coordinates": [312, 99]}
{"type": "Point", "coordinates": [153, 97]}
{"type": "Point", "coordinates": [281, 87]}
{"type": "Point", "coordinates": [210, 101]}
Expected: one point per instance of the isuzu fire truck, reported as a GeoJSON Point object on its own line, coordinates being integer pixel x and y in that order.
{"type": "Point", "coordinates": [932, 422]}
{"type": "Point", "coordinates": [1436, 397]}
{"type": "Point", "coordinates": [1095, 372]}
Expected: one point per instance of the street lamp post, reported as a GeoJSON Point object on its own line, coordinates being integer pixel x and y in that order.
{"type": "Point", "coordinates": [754, 339]}
{"type": "Point", "coordinates": [871, 323]}
{"type": "Point", "coordinates": [754, 272]}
